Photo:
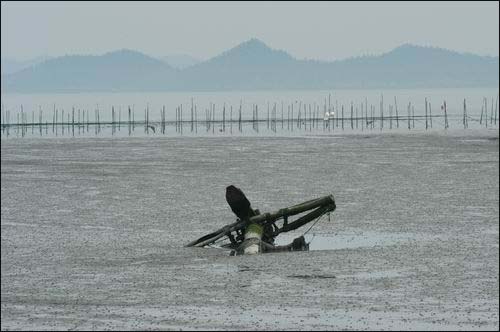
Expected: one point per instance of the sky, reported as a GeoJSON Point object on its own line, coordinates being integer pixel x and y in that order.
{"type": "Point", "coordinates": [306, 30]}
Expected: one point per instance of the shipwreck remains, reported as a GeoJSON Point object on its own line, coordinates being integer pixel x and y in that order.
{"type": "Point", "coordinates": [254, 232]}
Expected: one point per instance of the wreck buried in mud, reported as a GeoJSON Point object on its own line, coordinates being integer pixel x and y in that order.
{"type": "Point", "coordinates": [254, 233]}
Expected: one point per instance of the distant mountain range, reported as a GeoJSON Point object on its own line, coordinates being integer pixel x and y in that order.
{"type": "Point", "coordinates": [10, 66]}
{"type": "Point", "coordinates": [253, 65]}
{"type": "Point", "coordinates": [178, 61]}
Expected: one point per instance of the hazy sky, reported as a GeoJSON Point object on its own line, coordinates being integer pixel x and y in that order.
{"type": "Point", "coordinates": [324, 30]}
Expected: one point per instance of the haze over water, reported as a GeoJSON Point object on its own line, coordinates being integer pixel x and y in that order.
{"type": "Point", "coordinates": [454, 98]}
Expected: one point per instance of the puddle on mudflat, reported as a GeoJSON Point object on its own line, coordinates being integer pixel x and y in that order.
{"type": "Point", "coordinates": [349, 241]}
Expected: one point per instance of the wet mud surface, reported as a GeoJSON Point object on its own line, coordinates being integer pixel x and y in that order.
{"type": "Point", "coordinates": [92, 233]}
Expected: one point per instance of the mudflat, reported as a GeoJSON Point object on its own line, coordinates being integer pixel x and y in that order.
{"type": "Point", "coordinates": [93, 229]}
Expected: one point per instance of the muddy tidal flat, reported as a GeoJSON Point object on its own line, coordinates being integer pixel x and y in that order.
{"type": "Point", "coordinates": [93, 233]}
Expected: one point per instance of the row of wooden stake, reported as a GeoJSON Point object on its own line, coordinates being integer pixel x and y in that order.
{"type": "Point", "coordinates": [305, 117]}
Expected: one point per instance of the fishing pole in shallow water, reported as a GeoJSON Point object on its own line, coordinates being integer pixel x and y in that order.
{"type": "Point", "coordinates": [317, 220]}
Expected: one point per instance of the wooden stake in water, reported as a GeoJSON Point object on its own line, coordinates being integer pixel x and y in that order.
{"type": "Point", "coordinates": [20, 122]}
{"type": "Point", "coordinates": [113, 121]}
{"type": "Point", "coordinates": [192, 115]}
{"type": "Point", "coordinates": [482, 111]}
{"type": "Point", "coordinates": [253, 117]}
{"type": "Point", "coordinates": [147, 117]}
{"type": "Point", "coordinates": [329, 112]}
{"type": "Point", "coordinates": [430, 113]}
{"type": "Point", "coordinates": [129, 122]}
{"type": "Point", "coordinates": [282, 106]}
{"type": "Point", "coordinates": [299, 116]}
{"type": "Point", "coordinates": [342, 116]}
{"type": "Point", "coordinates": [366, 112]}
{"type": "Point", "coordinates": [267, 115]}
{"type": "Point", "coordinates": [409, 110]}
{"type": "Point", "coordinates": [98, 120]}
{"type": "Point", "coordinates": [224, 118]}
{"type": "Point", "coordinates": [362, 119]}
{"type": "Point", "coordinates": [397, 116]}
{"type": "Point", "coordinates": [381, 112]}
{"type": "Point", "coordinates": [446, 125]}
{"type": "Point", "coordinates": [373, 116]}
{"type": "Point", "coordinates": [486, 112]}
{"type": "Point", "coordinates": [17, 127]}
{"type": "Point", "coordinates": [390, 116]}
{"type": "Point", "coordinates": [465, 115]}
{"type": "Point", "coordinates": [53, 117]}
{"type": "Point", "coordinates": [3, 119]}
{"type": "Point", "coordinates": [310, 118]}
{"type": "Point", "coordinates": [239, 117]}
{"type": "Point", "coordinates": [413, 115]}
{"type": "Point", "coordinates": [288, 118]}
{"type": "Point", "coordinates": [133, 117]}
{"type": "Point", "coordinates": [337, 112]}
{"type": "Point", "coordinates": [274, 118]}
{"type": "Point", "coordinates": [351, 118]}
{"type": "Point", "coordinates": [356, 117]}
{"type": "Point", "coordinates": [257, 117]}
{"type": "Point", "coordinates": [40, 119]}
{"type": "Point", "coordinates": [496, 109]}
{"type": "Point", "coordinates": [491, 113]}
{"type": "Point", "coordinates": [313, 115]}
{"type": "Point", "coordinates": [426, 123]}
{"type": "Point", "coordinates": [8, 122]}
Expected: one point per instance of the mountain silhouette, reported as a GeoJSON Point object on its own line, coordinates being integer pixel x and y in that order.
{"type": "Point", "coordinates": [10, 66]}
{"type": "Point", "coordinates": [252, 65]}
{"type": "Point", "coordinates": [122, 70]}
